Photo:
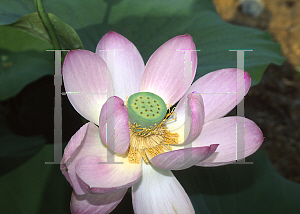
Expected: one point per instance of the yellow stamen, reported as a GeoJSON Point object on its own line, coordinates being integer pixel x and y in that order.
{"type": "Point", "coordinates": [126, 101]}
{"type": "Point", "coordinates": [147, 143]}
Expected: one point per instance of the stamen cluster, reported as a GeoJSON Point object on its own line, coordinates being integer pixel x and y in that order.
{"type": "Point", "coordinates": [146, 143]}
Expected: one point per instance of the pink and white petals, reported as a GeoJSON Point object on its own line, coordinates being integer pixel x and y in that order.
{"type": "Point", "coordinates": [189, 120]}
{"type": "Point", "coordinates": [87, 82]}
{"type": "Point", "coordinates": [219, 91]}
{"type": "Point", "coordinates": [94, 203]}
{"type": "Point", "coordinates": [99, 176]}
{"type": "Point", "coordinates": [223, 132]}
{"type": "Point", "coordinates": [171, 69]}
{"type": "Point", "coordinates": [158, 191]}
{"type": "Point", "coordinates": [114, 125]}
{"type": "Point", "coordinates": [124, 62]}
{"type": "Point", "coordinates": [86, 141]}
{"type": "Point", "coordinates": [182, 158]}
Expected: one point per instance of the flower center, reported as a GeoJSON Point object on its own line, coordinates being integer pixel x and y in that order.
{"type": "Point", "coordinates": [149, 135]}
{"type": "Point", "coordinates": [146, 109]}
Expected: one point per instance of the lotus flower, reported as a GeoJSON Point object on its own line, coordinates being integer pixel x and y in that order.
{"type": "Point", "coordinates": [126, 103]}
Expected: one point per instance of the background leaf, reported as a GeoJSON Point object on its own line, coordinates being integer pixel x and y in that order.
{"type": "Point", "coordinates": [35, 187]}
{"type": "Point", "coordinates": [33, 25]}
{"type": "Point", "coordinates": [251, 188]}
{"type": "Point", "coordinates": [23, 60]}
{"type": "Point", "coordinates": [15, 150]}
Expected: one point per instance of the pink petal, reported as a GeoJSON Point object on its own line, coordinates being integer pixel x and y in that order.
{"type": "Point", "coordinates": [212, 149]}
{"type": "Point", "coordinates": [114, 123]}
{"type": "Point", "coordinates": [219, 92]}
{"type": "Point", "coordinates": [159, 192]}
{"type": "Point", "coordinates": [223, 132]}
{"type": "Point", "coordinates": [171, 69]}
{"type": "Point", "coordinates": [97, 175]}
{"type": "Point", "coordinates": [180, 159]}
{"type": "Point", "coordinates": [94, 203]}
{"type": "Point", "coordinates": [86, 141]}
{"type": "Point", "coordinates": [87, 82]}
{"type": "Point", "coordinates": [192, 119]}
{"type": "Point", "coordinates": [124, 62]}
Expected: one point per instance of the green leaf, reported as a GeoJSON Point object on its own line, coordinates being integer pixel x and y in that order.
{"type": "Point", "coordinates": [36, 187]}
{"type": "Point", "coordinates": [23, 60]}
{"type": "Point", "coordinates": [15, 149]}
{"type": "Point", "coordinates": [33, 25]}
{"type": "Point", "coordinates": [251, 188]}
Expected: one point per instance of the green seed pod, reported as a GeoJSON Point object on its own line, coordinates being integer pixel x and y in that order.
{"type": "Point", "coordinates": [146, 109]}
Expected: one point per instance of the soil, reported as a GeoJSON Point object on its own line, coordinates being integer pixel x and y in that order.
{"type": "Point", "coordinates": [274, 104]}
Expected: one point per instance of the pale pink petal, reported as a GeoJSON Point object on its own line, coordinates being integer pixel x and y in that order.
{"type": "Point", "coordinates": [114, 125]}
{"type": "Point", "coordinates": [158, 191]}
{"type": "Point", "coordinates": [223, 132]}
{"type": "Point", "coordinates": [87, 82]}
{"type": "Point", "coordinates": [182, 158]}
{"type": "Point", "coordinates": [171, 69]}
{"type": "Point", "coordinates": [86, 141]}
{"type": "Point", "coordinates": [193, 117]}
{"type": "Point", "coordinates": [94, 203]}
{"type": "Point", "coordinates": [212, 149]}
{"type": "Point", "coordinates": [124, 62]}
{"type": "Point", "coordinates": [219, 92]}
{"type": "Point", "coordinates": [100, 176]}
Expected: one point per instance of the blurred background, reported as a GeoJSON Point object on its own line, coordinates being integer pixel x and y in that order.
{"type": "Point", "coordinates": [274, 104]}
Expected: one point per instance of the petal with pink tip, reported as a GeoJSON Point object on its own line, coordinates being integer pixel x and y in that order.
{"type": "Point", "coordinates": [87, 82]}
{"type": "Point", "coordinates": [180, 159]}
{"type": "Point", "coordinates": [114, 124]}
{"type": "Point", "coordinates": [86, 141]}
{"type": "Point", "coordinates": [124, 62]}
{"type": "Point", "coordinates": [100, 176]}
{"type": "Point", "coordinates": [171, 69]}
{"type": "Point", "coordinates": [219, 92]}
{"type": "Point", "coordinates": [94, 203]}
{"type": "Point", "coordinates": [158, 191]}
{"type": "Point", "coordinates": [223, 132]}
{"type": "Point", "coordinates": [193, 117]}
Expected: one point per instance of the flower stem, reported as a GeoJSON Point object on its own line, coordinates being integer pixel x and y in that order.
{"type": "Point", "coordinates": [47, 23]}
